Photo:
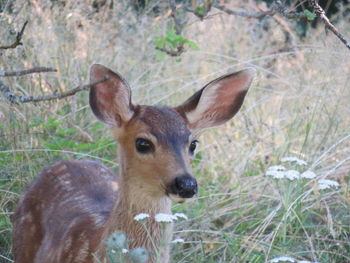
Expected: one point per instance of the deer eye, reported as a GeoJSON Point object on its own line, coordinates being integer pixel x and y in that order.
{"type": "Point", "coordinates": [143, 145]}
{"type": "Point", "coordinates": [193, 146]}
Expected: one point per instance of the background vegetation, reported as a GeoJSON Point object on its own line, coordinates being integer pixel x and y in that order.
{"type": "Point", "coordinates": [298, 106]}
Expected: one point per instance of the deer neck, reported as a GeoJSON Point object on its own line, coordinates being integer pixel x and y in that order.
{"type": "Point", "coordinates": [133, 199]}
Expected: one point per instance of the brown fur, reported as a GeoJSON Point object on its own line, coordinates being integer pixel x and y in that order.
{"type": "Point", "coordinates": [87, 206]}
{"type": "Point", "coordinates": [67, 213]}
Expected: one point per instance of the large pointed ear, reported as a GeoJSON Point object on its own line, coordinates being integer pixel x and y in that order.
{"type": "Point", "coordinates": [110, 100]}
{"type": "Point", "coordinates": [218, 101]}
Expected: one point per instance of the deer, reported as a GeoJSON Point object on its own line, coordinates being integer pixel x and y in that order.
{"type": "Point", "coordinates": [72, 207]}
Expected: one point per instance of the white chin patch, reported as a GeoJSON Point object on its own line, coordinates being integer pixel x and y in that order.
{"type": "Point", "coordinates": [177, 198]}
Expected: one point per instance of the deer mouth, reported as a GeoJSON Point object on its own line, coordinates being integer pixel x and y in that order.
{"type": "Point", "coordinates": [177, 198]}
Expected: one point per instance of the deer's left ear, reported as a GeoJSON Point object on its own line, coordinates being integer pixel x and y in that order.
{"type": "Point", "coordinates": [218, 101]}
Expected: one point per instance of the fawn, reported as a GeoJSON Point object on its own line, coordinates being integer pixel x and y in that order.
{"type": "Point", "coordinates": [71, 208]}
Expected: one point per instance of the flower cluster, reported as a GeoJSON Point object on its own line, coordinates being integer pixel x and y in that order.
{"type": "Point", "coordinates": [289, 259]}
{"type": "Point", "coordinates": [281, 172]}
{"type": "Point", "coordinates": [162, 218]}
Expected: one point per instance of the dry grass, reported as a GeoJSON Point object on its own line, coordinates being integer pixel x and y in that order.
{"type": "Point", "coordinates": [298, 106]}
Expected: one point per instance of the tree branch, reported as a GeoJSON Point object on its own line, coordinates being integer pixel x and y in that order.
{"type": "Point", "coordinates": [26, 71]}
{"type": "Point", "coordinates": [320, 13]}
{"type": "Point", "coordinates": [18, 38]}
{"type": "Point", "coordinates": [13, 98]}
{"type": "Point", "coordinates": [173, 53]}
{"type": "Point", "coordinates": [277, 7]}
{"type": "Point", "coordinates": [178, 25]}
{"type": "Point", "coordinates": [242, 13]}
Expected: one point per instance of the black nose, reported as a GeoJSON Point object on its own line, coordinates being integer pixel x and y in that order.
{"type": "Point", "coordinates": [185, 186]}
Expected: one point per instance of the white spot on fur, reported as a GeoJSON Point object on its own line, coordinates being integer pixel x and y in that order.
{"type": "Point", "coordinates": [61, 168]}
{"type": "Point", "coordinates": [83, 251]}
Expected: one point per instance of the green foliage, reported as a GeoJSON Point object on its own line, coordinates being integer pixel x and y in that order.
{"type": "Point", "coordinates": [200, 10]}
{"type": "Point", "coordinates": [118, 250]}
{"type": "Point", "coordinates": [309, 15]}
{"type": "Point", "coordinates": [172, 41]}
{"type": "Point", "coordinates": [298, 105]}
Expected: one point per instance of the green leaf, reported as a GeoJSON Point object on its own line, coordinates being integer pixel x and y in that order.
{"type": "Point", "coordinates": [171, 35]}
{"type": "Point", "coordinates": [200, 10]}
{"type": "Point", "coordinates": [193, 45]}
{"type": "Point", "coordinates": [69, 131]}
{"type": "Point", "coordinates": [160, 55]}
{"type": "Point", "coordinates": [309, 15]}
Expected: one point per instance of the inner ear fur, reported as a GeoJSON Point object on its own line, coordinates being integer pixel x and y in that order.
{"type": "Point", "coordinates": [218, 101]}
{"type": "Point", "coordinates": [110, 100]}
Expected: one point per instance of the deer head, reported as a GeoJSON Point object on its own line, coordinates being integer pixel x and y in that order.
{"type": "Point", "coordinates": [157, 143]}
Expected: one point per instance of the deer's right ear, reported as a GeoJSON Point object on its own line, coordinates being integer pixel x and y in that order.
{"type": "Point", "coordinates": [110, 100]}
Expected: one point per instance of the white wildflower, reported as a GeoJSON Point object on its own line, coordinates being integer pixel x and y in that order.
{"type": "Point", "coordinates": [113, 251]}
{"type": "Point", "coordinates": [181, 215]}
{"type": "Point", "coordinates": [141, 216]}
{"type": "Point", "coordinates": [125, 251]}
{"type": "Point", "coordinates": [308, 175]}
{"type": "Point", "coordinates": [275, 174]}
{"type": "Point", "coordinates": [325, 183]}
{"type": "Point", "coordinates": [293, 159]}
{"type": "Point", "coordinates": [292, 174]}
{"type": "Point", "coordinates": [177, 240]}
{"type": "Point", "coordinates": [278, 174]}
{"type": "Point", "coordinates": [282, 259]}
{"type": "Point", "coordinates": [165, 218]}
{"type": "Point", "coordinates": [276, 168]}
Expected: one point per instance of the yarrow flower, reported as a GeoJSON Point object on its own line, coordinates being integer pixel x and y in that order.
{"type": "Point", "coordinates": [276, 171]}
{"type": "Point", "coordinates": [289, 259]}
{"type": "Point", "coordinates": [165, 218]}
{"type": "Point", "coordinates": [292, 174]}
{"type": "Point", "coordinates": [141, 216]}
{"type": "Point", "coordinates": [294, 159]}
{"type": "Point", "coordinates": [125, 251]}
{"type": "Point", "coordinates": [325, 184]}
{"type": "Point", "coordinates": [282, 259]}
{"type": "Point", "coordinates": [308, 175]}
{"type": "Point", "coordinates": [279, 172]}
{"type": "Point", "coordinates": [277, 168]}
{"type": "Point", "coordinates": [177, 240]}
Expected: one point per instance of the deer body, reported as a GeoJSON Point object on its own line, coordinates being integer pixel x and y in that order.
{"type": "Point", "coordinates": [68, 212]}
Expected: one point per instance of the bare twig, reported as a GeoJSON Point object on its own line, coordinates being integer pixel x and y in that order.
{"type": "Point", "coordinates": [172, 53]}
{"type": "Point", "coordinates": [26, 71]}
{"type": "Point", "coordinates": [242, 13]}
{"type": "Point", "coordinates": [177, 22]}
{"type": "Point", "coordinates": [18, 38]}
{"type": "Point", "coordinates": [13, 98]}
{"type": "Point", "coordinates": [281, 9]}
{"type": "Point", "coordinates": [320, 13]}
{"type": "Point", "coordinates": [277, 8]}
